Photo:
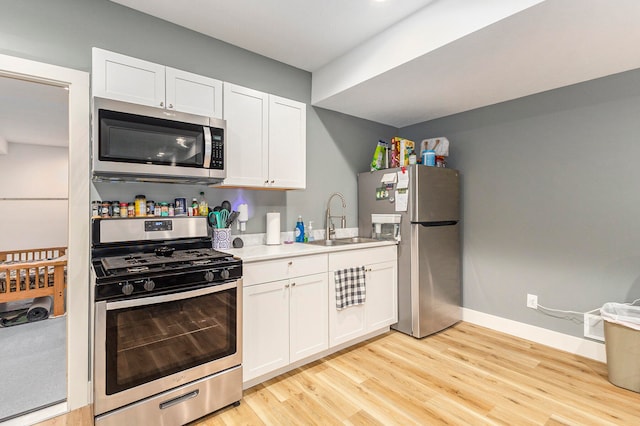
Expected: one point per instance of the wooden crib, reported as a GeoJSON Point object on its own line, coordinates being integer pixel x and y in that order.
{"type": "Point", "coordinates": [26, 274]}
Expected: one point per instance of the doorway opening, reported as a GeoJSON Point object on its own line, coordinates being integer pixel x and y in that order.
{"type": "Point", "coordinates": [34, 212]}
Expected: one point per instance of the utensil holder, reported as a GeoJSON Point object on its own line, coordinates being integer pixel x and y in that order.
{"type": "Point", "coordinates": [221, 238]}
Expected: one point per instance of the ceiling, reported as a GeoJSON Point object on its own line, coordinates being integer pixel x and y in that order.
{"type": "Point", "coordinates": [401, 62]}
{"type": "Point", "coordinates": [306, 34]}
{"type": "Point", "coordinates": [33, 113]}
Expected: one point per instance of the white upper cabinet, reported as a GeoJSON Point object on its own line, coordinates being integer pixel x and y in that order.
{"type": "Point", "coordinates": [247, 114]}
{"type": "Point", "coordinates": [123, 78]}
{"type": "Point", "coordinates": [193, 93]}
{"type": "Point", "coordinates": [266, 139]}
{"type": "Point", "coordinates": [287, 143]}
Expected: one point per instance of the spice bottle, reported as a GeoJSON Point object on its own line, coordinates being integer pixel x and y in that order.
{"type": "Point", "coordinates": [115, 208]}
{"type": "Point", "coordinates": [96, 208]}
{"type": "Point", "coordinates": [194, 207]}
{"type": "Point", "coordinates": [141, 206]}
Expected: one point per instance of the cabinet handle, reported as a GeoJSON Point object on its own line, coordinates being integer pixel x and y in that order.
{"type": "Point", "coordinates": [293, 284]}
{"type": "Point", "coordinates": [273, 181]}
{"type": "Point", "coordinates": [161, 104]}
{"type": "Point", "coordinates": [368, 270]}
{"type": "Point", "coordinates": [266, 182]}
{"type": "Point", "coordinates": [170, 105]}
{"type": "Point", "coordinates": [290, 262]}
{"type": "Point", "coordinates": [286, 286]}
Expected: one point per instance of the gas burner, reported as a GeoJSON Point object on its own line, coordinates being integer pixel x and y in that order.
{"type": "Point", "coordinates": [130, 263]}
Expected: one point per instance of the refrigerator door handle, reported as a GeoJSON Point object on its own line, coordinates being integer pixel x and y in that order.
{"type": "Point", "coordinates": [438, 223]}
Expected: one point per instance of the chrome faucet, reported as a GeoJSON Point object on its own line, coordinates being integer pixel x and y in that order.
{"type": "Point", "coordinates": [330, 230]}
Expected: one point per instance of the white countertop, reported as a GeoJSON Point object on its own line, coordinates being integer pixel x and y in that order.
{"type": "Point", "coordinates": [257, 253]}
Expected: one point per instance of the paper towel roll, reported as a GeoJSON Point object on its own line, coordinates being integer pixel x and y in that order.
{"type": "Point", "coordinates": [273, 229]}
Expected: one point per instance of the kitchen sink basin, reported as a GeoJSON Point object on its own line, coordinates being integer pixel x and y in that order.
{"type": "Point", "coordinates": [324, 243]}
{"type": "Point", "coordinates": [342, 241]}
{"type": "Point", "coordinates": [359, 240]}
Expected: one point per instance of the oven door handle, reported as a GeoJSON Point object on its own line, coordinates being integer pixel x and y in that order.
{"type": "Point", "coordinates": [144, 301]}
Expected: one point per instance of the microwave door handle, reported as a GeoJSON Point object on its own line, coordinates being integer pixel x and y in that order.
{"type": "Point", "coordinates": [208, 147]}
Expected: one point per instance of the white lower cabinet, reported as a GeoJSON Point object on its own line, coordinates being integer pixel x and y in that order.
{"type": "Point", "coordinates": [284, 320]}
{"type": "Point", "coordinates": [289, 307]}
{"type": "Point", "coordinates": [308, 316]}
{"type": "Point", "coordinates": [265, 328]}
{"type": "Point", "coordinates": [381, 288]}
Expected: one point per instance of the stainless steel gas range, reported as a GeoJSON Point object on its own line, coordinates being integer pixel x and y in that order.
{"type": "Point", "coordinates": [168, 322]}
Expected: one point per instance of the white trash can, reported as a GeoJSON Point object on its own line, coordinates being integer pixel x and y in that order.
{"type": "Point", "coordinates": [622, 344]}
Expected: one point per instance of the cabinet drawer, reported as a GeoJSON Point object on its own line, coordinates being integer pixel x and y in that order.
{"type": "Point", "coordinates": [360, 257]}
{"type": "Point", "coordinates": [280, 269]}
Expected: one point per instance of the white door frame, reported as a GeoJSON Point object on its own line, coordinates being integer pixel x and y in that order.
{"type": "Point", "coordinates": [77, 294]}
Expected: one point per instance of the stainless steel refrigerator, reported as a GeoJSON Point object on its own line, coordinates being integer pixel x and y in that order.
{"type": "Point", "coordinates": [429, 254]}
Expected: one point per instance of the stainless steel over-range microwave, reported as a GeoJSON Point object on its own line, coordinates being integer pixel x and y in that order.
{"type": "Point", "coordinates": [141, 143]}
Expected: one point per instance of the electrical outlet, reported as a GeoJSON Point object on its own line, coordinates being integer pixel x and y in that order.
{"type": "Point", "coordinates": [532, 301]}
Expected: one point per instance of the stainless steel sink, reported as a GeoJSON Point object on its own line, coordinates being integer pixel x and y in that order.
{"type": "Point", "coordinates": [342, 241]}
{"type": "Point", "coordinates": [359, 240]}
{"type": "Point", "coordinates": [324, 243]}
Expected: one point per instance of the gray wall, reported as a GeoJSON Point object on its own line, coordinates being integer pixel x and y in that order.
{"type": "Point", "coordinates": [551, 202]}
{"type": "Point", "coordinates": [62, 32]}
{"type": "Point", "coordinates": [550, 196]}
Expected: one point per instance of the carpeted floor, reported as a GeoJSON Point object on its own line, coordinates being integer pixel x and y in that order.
{"type": "Point", "coordinates": [33, 367]}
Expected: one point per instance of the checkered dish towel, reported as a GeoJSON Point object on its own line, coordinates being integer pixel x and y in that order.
{"type": "Point", "coordinates": [350, 287]}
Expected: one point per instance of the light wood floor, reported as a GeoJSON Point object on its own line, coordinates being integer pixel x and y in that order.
{"type": "Point", "coordinates": [465, 375]}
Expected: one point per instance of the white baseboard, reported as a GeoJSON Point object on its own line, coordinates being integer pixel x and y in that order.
{"type": "Point", "coordinates": [563, 342]}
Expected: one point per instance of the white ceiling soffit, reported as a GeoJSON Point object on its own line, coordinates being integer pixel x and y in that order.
{"type": "Point", "coordinates": [306, 34]}
{"type": "Point", "coordinates": [474, 55]}
{"type": "Point", "coordinates": [33, 113]}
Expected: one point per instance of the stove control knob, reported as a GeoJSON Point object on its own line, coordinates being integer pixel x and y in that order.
{"type": "Point", "coordinates": [127, 289]}
{"type": "Point", "coordinates": [224, 274]}
{"type": "Point", "coordinates": [149, 285]}
{"type": "Point", "coordinates": [208, 276]}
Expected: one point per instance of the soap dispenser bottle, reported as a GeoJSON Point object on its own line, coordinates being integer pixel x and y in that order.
{"type": "Point", "coordinates": [310, 231]}
{"type": "Point", "coordinates": [299, 231]}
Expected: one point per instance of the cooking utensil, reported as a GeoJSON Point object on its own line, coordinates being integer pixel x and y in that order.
{"type": "Point", "coordinates": [232, 217]}
{"type": "Point", "coordinates": [213, 219]}
{"type": "Point", "coordinates": [226, 205]}
{"type": "Point", "coordinates": [223, 217]}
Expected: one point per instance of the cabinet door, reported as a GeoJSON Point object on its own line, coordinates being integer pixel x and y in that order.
{"type": "Point", "coordinates": [382, 295]}
{"type": "Point", "coordinates": [309, 333]}
{"type": "Point", "coordinates": [287, 143]}
{"type": "Point", "coordinates": [193, 93]}
{"type": "Point", "coordinates": [345, 324]}
{"type": "Point", "coordinates": [265, 328]}
{"type": "Point", "coordinates": [246, 112]}
{"type": "Point", "coordinates": [128, 79]}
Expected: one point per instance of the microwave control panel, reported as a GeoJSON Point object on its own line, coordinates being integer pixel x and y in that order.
{"type": "Point", "coordinates": [217, 149]}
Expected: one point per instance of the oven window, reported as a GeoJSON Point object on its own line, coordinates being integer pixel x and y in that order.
{"type": "Point", "coordinates": [137, 139]}
{"type": "Point", "coordinates": [150, 342]}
